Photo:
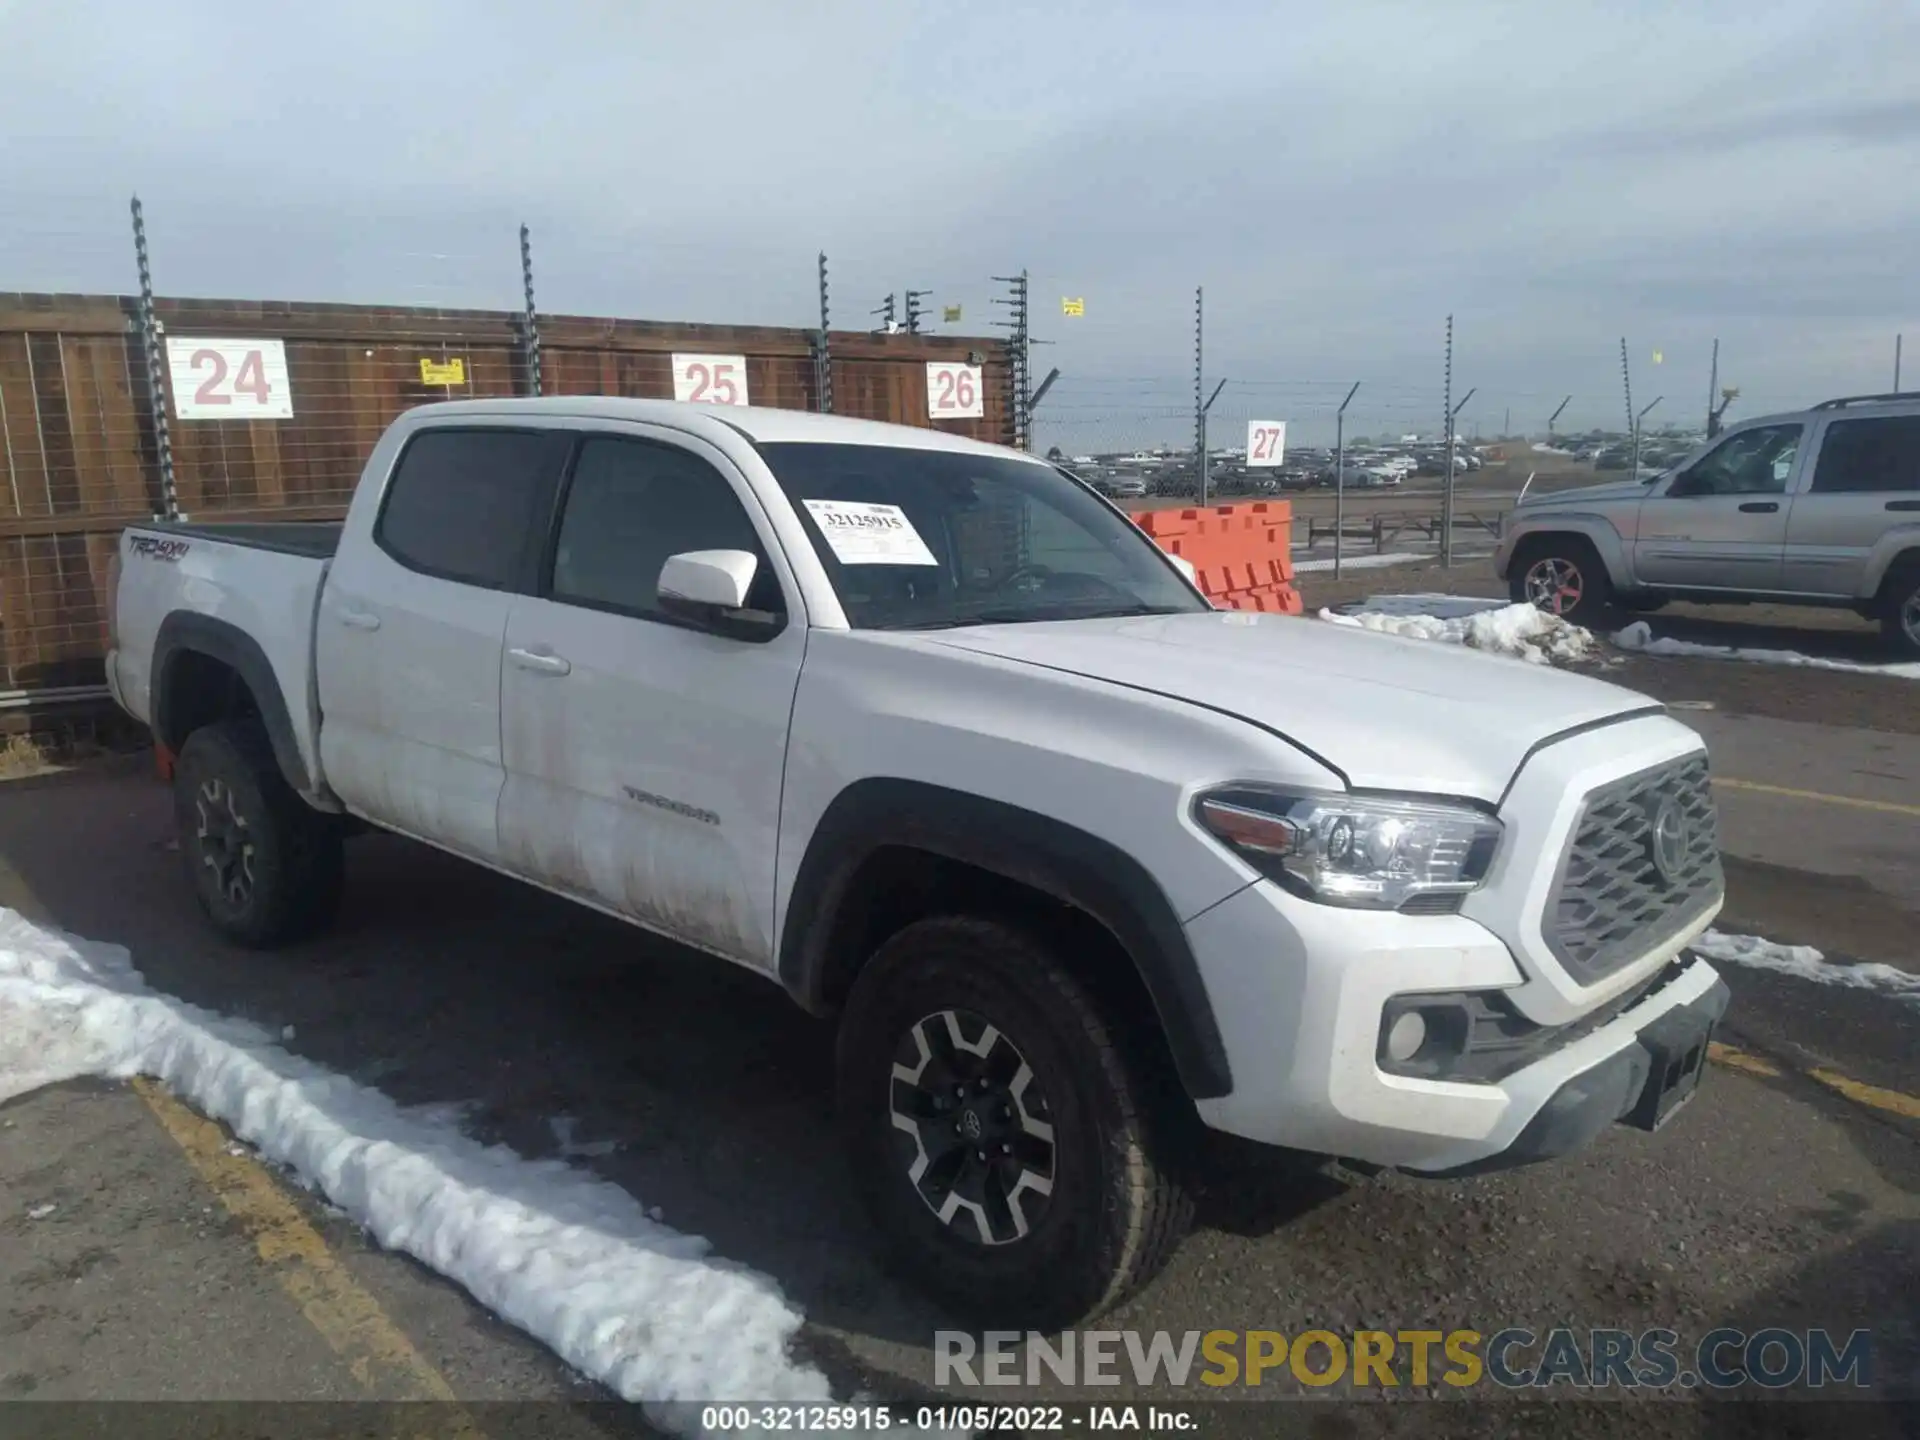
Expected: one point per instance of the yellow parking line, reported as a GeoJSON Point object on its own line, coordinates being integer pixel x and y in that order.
{"type": "Point", "coordinates": [349, 1319]}
{"type": "Point", "coordinates": [1739, 1060]}
{"type": "Point", "coordinates": [1887, 807]}
{"type": "Point", "coordinates": [1891, 1101]}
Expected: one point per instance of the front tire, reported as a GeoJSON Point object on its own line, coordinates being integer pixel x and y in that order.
{"type": "Point", "coordinates": [1009, 1150]}
{"type": "Point", "coordinates": [1900, 611]}
{"type": "Point", "coordinates": [265, 866]}
{"type": "Point", "coordinates": [1562, 575]}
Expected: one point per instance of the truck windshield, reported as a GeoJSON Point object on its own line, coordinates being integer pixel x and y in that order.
{"type": "Point", "coordinates": [931, 539]}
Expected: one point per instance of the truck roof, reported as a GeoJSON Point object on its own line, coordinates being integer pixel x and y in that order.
{"type": "Point", "coordinates": [758, 423]}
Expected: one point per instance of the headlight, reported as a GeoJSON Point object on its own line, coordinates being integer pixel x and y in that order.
{"type": "Point", "coordinates": [1374, 854]}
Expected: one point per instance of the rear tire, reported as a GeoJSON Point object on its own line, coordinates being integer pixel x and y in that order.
{"type": "Point", "coordinates": [980, 1082]}
{"type": "Point", "coordinates": [1562, 575]}
{"type": "Point", "coordinates": [1900, 609]}
{"type": "Point", "coordinates": [266, 867]}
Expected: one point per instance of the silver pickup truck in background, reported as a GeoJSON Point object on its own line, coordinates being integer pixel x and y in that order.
{"type": "Point", "coordinates": [1814, 507]}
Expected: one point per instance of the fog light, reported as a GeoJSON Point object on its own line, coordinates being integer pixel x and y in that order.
{"type": "Point", "coordinates": [1408, 1034]}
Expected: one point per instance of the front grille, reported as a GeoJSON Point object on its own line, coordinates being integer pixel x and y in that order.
{"type": "Point", "coordinates": [1612, 900]}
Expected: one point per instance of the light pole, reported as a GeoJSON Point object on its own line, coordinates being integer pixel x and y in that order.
{"type": "Point", "coordinates": [1636, 433]}
{"type": "Point", "coordinates": [1203, 438]}
{"type": "Point", "coordinates": [1340, 478]}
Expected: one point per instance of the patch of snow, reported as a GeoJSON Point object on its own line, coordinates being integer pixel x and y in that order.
{"type": "Point", "coordinates": [1441, 607]}
{"type": "Point", "coordinates": [286, 1032]}
{"type": "Point", "coordinates": [569, 1258]}
{"type": "Point", "coordinates": [1518, 631]}
{"type": "Point", "coordinates": [563, 1128]}
{"type": "Point", "coordinates": [1540, 447]}
{"type": "Point", "coordinates": [41, 1212]}
{"type": "Point", "coordinates": [1806, 963]}
{"type": "Point", "coordinates": [1639, 638]}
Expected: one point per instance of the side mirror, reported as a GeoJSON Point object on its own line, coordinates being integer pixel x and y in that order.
{"type": "Point", "coordinates": [709, 588]}
{"type": "Point", "coordinates": [1185, 567]}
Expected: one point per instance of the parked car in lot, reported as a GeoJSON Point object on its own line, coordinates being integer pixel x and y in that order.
{"type": "Point", "coordinates": [929, 735]}
{"type": "Point", "coordinates": [1816, 507]}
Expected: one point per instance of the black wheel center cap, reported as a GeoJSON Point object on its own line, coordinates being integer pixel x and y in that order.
{"type": "Point", "coordinates": [971, 1125]}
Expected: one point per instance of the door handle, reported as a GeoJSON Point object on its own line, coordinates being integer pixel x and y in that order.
{"type": "Point", "coordinates": [1760, 507]}
{"type": "Point", "coordinates": [358, 619]}
{"type": "Point", "coordinates": [1903, 504]}
{"type": "Point", "coordinates": [539, 663]}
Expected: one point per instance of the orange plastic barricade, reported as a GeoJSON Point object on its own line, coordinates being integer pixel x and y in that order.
{"type": "Point", "coordinates": [1241, 554]}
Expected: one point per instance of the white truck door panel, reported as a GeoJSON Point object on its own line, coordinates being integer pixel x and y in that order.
{"type": "Point", "coordinates": [409, 636]}
{"type": "Point", "coordinates": [1866, 481]}
{"type": "Point", "coordinates": [1722, 522]}
{"type": "Point", "coordinates": [644, 756]}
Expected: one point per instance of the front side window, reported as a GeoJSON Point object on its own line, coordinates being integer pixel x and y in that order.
{"type": "Point", "coordinates": [1869, 456]}
{"type": "Point", "coordinates": [632, 504]}
{"type": "Point", "coordinates": [462, 504]}
{"type": "Point", "coordinates": [1753, 462]}
{"type": "Point", "coordinates": [925, 539]}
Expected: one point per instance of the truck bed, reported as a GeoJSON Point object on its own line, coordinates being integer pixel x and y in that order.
{"type": "Point", "coordinates": [315, 539]}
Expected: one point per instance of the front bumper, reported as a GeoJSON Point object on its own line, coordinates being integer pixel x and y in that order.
{"type": "Point", "coordinates": [1299, 990]}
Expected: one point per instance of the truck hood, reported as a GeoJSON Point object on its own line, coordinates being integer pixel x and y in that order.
{"type": "Point", "coordinates": [1585, 495]}
{"type": "Point", "coordinates": [1386, 712]}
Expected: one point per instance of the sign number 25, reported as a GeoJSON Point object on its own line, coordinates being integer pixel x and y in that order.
{"type": "Point", "coordinates": [710, 379]}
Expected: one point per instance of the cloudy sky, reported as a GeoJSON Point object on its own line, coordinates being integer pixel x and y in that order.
{"type": "Point", "coordinates": [1339, 178]}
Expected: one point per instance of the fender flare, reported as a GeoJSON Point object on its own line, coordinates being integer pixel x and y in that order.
{"type": "Point", "coordinates": [1596, 530]}
{"type": "Point", "coordinates": [1031, 849]}
{"type": "Point", "coordinates": [1892, 548]}
{"type": "Point", "coordinates": [185, 632]}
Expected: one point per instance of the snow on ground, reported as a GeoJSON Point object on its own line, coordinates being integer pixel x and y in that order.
{"type": "Point", "coordinates": [1807, 963]}
{"type": "Point", "coordinates": [1518, 631]}
{"type": "Point", "coordinates": [571, 1259]}
{"type": "Point", "coordinates": [1540, 447]}
{"type": "Point", "coordinates": [1639, 638]}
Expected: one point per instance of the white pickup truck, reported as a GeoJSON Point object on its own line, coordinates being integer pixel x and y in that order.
{"type": "Point", "coordinates": [926, 732]}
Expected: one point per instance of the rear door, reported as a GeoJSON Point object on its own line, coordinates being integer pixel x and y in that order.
{"type": "Point", "coordinates": [410, 629]}
{"type": "Point", "coordinates": [1866, 480]}
{"type": "Point", "coordinates": [1721, 524]}
{"type": "Point", "coordinates": [645, 754]}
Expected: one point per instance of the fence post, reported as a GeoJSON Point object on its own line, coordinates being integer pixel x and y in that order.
{"type": "Point", "coordinates": [1199, 409]}
{"type": "Point", "coordinates": [1019, 356]}
{"type": "Point", "coordinates": [1446, 494]}
{"type": "Point", "coordinates": [822, 355]}
{"type": "Point", "coordinates": [156, 390]}
{"type": "Point", "coordinates": [533, 318]}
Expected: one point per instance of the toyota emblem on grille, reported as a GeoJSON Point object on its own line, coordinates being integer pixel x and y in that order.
{"type": "Point", "coordinates": [1669, 840]}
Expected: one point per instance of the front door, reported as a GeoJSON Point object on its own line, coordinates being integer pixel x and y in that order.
{"type": "Point", "coordinates": [409, 631]}
{"type": "Point", "coordinates": [1721, 523]}
{"type": "Point", "coordinates": [645, 755]}
{"type": "Point", "coordinates": [1866, 481]}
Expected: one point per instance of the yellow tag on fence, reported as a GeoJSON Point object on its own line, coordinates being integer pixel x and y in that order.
{"type": "Point", "coordinates": [443, 372]}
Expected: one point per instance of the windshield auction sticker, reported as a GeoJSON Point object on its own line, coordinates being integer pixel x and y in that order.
{"type": "Point", "coordinates": [861, 533]}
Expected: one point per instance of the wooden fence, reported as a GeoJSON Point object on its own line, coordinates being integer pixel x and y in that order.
{"type": "Point", "coordinates": [79, 457]}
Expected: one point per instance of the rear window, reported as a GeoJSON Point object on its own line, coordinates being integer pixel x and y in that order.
{"type": "Point", "coordinates": [462, 504]}
{"type": "Point", "coordinates": [1870, 455]}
